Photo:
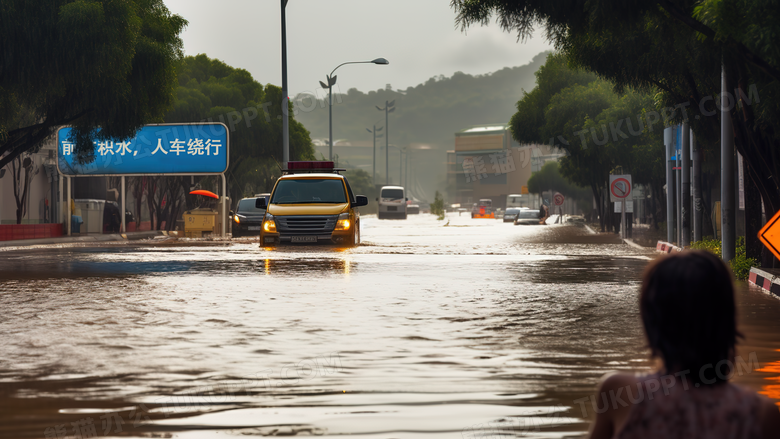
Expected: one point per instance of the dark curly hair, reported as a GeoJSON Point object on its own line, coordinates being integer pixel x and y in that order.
{"type": "Point", "coordinates": [689, 315]}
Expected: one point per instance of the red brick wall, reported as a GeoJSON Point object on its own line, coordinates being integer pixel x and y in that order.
{"type": "Point", "coordinates": [13, 232]}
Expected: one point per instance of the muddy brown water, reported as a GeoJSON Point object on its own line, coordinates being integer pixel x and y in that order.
{"type": "Point", "coordinates": [426, 330]}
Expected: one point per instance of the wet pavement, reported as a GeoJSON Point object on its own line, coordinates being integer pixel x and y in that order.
{"type": "Point", "coordinates": [440, 329]}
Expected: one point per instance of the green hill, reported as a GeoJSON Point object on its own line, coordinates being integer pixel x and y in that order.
{"type": "Point", "coordinates": [428, 114]}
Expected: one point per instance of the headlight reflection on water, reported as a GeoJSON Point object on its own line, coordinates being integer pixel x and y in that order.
{"type": "Point", "coordinates": [307, 268]}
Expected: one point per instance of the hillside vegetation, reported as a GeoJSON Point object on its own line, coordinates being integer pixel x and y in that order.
{"type": "Point", "coordinates": [429, 113]}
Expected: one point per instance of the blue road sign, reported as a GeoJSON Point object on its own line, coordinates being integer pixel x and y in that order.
{"type": "Point", "coordinates": [200, 148]}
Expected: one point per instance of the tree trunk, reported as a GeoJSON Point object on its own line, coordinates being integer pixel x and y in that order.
{"type": "Point", "coordinates": [706, 201]}
{"type": "Point", "coordinates": [151, 190]}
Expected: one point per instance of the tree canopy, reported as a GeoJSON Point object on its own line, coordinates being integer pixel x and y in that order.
{"type": "Point", "coordinates": [598, 129]}
{"type": "Point", "coordinates": [87, 63]}
{"type": "Point", "coordinates": [211, 90]}
{"type": "Point", "coordinates": [677, 47]}
{"type": "Point", "coordinates": [550, 178]}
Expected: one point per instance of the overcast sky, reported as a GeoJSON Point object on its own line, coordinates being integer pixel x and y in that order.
{"type": "Point", "coordinates": [418, 37]}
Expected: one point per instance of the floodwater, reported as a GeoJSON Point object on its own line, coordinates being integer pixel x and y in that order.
{"type": "Point", "coordinates": [438, 329]}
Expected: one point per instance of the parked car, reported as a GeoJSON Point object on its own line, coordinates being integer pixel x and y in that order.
{"type": "Point", "coordinates": [248, 219]}
{"type": "Point", "coordinates": [413, 209]}
{"type": "Point", "coordinates": [527, 217]}
{"type": "Point", "coordinates": [511, 214]}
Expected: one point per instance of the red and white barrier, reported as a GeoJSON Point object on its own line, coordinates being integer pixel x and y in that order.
{"type": "Point", "coordinates": [666, 247]}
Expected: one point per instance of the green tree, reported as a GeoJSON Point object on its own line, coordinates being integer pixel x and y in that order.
{"type": "Point", "coordinates": [211, 90]}
{"type": "Point", "coordinates": [550, 178]}
{"type": "Point", "coordinates": [559, 109]}
{"type": "Point", "coordinates": [86, 63]}
{"type": "Point", "coordinates": [678, 48]}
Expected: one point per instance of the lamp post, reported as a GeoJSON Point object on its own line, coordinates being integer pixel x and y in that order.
{"type": "Point", "coordinates": [285, 109]}
{"type": "Point", "coordinates": [331, 82]}
{"type": "Point", "coordinates": [389, 108]}
{"type": "Point", "coordinates": [374, 131]}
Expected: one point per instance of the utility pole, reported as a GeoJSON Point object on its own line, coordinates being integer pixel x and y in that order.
{"type": "Point", "coordinates": [285, 106]}
{"type": "Point", "coordinates": [400, 167]}
{"type": "Point", "coordinates": [668, 145]}
{"type": "Point", "coordinates": [727, 214]}
{"type": "Point", "coordinates": [406, 166]}
{"type": "Point", "coordinates": [685, 202]}
{"type": "Point", "coordinates": [374, 131]}
{"type": "Point", "coordinates": [696, 183]}
{"type": "Point", "coordinates": [678, 181]}
{"type": "Point", "coordinates": [389, 108]}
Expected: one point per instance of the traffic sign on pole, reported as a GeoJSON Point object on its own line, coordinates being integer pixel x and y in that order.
{"type": "Point", "coordinates": [619, 187]}
{"type": "Point", "coordinates": [769, 235]}
{"type": "Point", "coordinates": [558, 199]}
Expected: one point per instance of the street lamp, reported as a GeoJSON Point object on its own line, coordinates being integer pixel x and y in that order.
{"type": "Point", "coordinates": [285, 106]}
{"type": "Point", "coordinates": [389, 108]}
{"type": "Point", "coordinates": [331, 82]}
{"type": "Point", "coordinates": [374, 131]}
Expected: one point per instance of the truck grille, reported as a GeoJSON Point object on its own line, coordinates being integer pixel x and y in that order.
{"type": "Point", "coordinates": [306, 224]}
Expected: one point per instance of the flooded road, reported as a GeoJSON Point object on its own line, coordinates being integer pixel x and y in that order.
{"type": "Point", "coordinates": [440, 329]}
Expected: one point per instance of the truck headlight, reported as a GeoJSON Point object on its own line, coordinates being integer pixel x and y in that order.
{"type": "Point", "coordinates": [269, 225]}
{"type": "Point", "coordinates": [236, 219]}
{"type": "Point", "coordinates": [343, 223]}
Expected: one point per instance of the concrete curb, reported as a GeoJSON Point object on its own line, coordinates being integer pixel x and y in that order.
{"type": "Point", "coordinates": [766, 279]}
{"type": "Point", "coordinates": [666, 247]}
{"type": "Point", "coordinates": [87, 238]}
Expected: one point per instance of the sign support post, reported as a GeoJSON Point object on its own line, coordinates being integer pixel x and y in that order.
{"type": "Point", "coordinates": [69, 215]}
{"type": "Point", "coordinates": [122, 212]}
{"type": "Point", "coordinates": [623, 219]}
{"type": "Point", "coordinates": [619, 190]}
{"type": "Point", "coordinates": [224, 207]}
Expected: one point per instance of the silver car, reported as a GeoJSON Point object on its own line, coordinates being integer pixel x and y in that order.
{"type": "Point", "coordinates": [527, 217]}
{"type": "Point", "coordinates": [511, 214]}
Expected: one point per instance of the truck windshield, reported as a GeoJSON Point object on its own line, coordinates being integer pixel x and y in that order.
{"type": "Point", "coordinates": [393, 194]}
{"type": "Point", "coordinates": [309, 190]}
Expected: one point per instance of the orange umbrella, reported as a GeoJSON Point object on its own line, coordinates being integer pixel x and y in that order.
{"type": "Point", "coordinates": [206, 193]}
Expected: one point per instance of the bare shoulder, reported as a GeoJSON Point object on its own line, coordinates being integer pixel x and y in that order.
{"type": "Point", "coordinates": [615, 380]}
{"type": "Point", "coordinates": [611, 419]}
{"type": "Point", "coordinates": [770, 418]}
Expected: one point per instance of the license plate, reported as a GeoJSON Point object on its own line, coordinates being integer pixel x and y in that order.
{"type": "Point", "coordinates": [304, 239]}
{"type": "Point", "coordinates": [253, 228]}
{"type": "Point", "coordinates": [392, 209]}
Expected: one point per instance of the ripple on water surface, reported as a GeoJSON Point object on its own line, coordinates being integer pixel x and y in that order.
{"type": "Point", "coordinates": [425, 330]}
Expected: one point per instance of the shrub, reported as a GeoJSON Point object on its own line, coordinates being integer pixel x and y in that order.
{"type": "Point", "coordinates": [437, 207]}
{"type": "Point", "coordinates": [740, 265]}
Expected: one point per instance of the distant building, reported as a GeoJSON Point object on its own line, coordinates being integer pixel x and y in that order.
{"type": "Point", "coordinates": [488, 163]}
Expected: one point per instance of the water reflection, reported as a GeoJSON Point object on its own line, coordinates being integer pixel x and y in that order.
{"type": "Point", "coordinates": [301, 268]}
{"type": "Point", "coordinates": [771, 390]}
{"type": "Point", "coordinates": [438, 329]}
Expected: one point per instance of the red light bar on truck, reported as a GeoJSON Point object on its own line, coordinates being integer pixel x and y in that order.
{"type": "Point", "coordinates": [311, 166]}
{"type": "Point", "coordinates": [294, 166]}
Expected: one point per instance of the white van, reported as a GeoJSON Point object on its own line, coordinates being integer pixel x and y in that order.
{"type": "Point", "coordinates": [392, 202]}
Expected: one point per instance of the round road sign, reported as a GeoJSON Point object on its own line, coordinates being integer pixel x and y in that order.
{"type": "Point", "coordinates": [620, 188]}
{"type": "Point", "coordinates": [558, 199]}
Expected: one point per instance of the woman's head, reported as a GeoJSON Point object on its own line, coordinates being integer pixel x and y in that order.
{"type": "Point", "coordinates": [688, 311]}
